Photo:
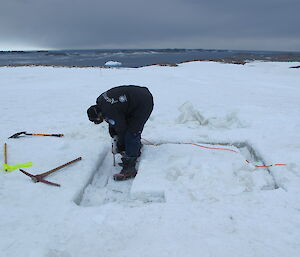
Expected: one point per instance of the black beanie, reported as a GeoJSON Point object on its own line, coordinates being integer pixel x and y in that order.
{"type": "Point", "coordinates": [94, 114]}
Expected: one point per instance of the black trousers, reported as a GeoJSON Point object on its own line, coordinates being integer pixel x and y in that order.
{"type": "Point", "coordinates": [130, 141]}
{"type": "Point", "coordinates": [136, 123]}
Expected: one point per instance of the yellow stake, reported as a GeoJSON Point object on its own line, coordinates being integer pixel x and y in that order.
{"type": "Point", "coordinates": [9, 168]}
{"type": "Point", "coordinates": [5, 154]}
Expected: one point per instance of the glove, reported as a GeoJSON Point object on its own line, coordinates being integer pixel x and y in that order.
{"type": "Point", "coordinates": [94, 114]}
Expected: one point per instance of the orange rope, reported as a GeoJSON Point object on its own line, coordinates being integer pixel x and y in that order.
{"type": "Point", "coordinates": [149, 142]}
{"type": "Point", "coordinates": [214, 148]}
{"type": "Point", "coordinates": [225, 149]}
{"type": "Point", "coordinates": [265, 166]}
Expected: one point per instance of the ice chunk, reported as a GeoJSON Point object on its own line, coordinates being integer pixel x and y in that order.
{"type": "Point", "coordinates": [113, 63]}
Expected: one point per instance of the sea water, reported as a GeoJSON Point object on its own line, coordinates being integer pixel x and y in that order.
{"type": "Point", "coordinates": [136, 57]}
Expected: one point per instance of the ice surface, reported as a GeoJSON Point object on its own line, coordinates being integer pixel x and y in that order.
{"type": "Point", "coordinates": [186, 200]}
{"type": "Point", "coordinates": [184, 173]}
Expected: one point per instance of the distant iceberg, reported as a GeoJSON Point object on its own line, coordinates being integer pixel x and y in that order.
{"type": "Point", "coordinates": [113, 63]}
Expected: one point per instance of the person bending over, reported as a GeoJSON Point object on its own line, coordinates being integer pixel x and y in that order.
{"type": "Point", "coordinates": [126, 109]}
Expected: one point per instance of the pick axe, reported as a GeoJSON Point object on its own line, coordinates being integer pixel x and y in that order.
{"type": "Point", "coordinates": [40, 177]}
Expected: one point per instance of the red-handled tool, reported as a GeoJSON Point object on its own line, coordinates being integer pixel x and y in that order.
{"type": "Point", "coordinates": [30, 134]}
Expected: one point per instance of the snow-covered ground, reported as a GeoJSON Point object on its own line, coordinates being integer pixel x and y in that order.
{"type": "Point", "coordinates": [188, 200]}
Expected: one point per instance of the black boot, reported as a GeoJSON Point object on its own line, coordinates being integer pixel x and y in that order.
{"type": "Point", "coordinates": [128, 171]}
{"type": "Point", "coordinates": [123, 153]}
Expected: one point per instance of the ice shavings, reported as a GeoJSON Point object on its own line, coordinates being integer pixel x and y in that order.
{"type": "Point", "coordinates": [189, 114]}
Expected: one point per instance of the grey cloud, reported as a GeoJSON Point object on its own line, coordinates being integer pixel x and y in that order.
{"type": "Point", "coordinates": [147, 24]}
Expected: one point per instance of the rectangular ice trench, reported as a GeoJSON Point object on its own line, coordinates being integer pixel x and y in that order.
{"type": "Point", "coordinates": [172, 172]}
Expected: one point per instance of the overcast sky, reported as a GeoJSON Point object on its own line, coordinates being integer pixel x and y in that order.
{"type": "Point", "coordinates": [91, 24]}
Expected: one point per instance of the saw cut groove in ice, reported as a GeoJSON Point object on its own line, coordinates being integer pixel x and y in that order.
{"type": "Point", "coordinates": [103, 188]}
{"type": "Point", "coordinates": [79, 198]}
{"type": "Point", "coordinates": [252, 155]}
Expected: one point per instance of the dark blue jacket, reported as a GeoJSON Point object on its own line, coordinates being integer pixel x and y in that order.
{"type": "Point", "coordinates": [126, 109]}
